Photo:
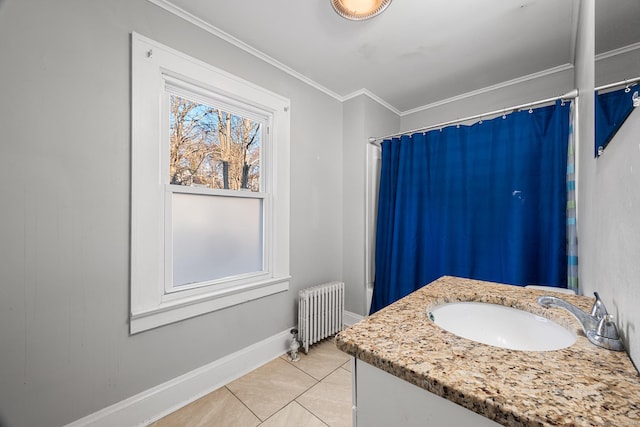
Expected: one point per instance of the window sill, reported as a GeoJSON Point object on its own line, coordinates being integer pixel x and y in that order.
{"type": "Point", "coordinates": [185, 308]}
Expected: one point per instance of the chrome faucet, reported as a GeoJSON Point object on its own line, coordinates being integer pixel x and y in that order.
{"type": "Point", "coordinates": [599, 326]}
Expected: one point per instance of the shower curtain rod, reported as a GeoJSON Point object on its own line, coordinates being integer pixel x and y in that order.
{"type": "Point", "coordinates": [628, 82]}
{"type": "Point", "coordinates": [569, 95]}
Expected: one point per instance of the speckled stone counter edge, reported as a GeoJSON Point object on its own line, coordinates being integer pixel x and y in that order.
{"type": "Point", "coordinates": [582, 385]}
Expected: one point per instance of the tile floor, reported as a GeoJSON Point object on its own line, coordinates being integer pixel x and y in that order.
{"type": "Point", "coordinates": [314, 391]}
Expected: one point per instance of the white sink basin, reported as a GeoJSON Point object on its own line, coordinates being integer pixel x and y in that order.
{"type": "Point", "coordinates": [501, 326]}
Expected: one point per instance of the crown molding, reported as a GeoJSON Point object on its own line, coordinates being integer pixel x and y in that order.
{"type": "Point", "coordinates": [181, 13]}
{"type": "Point", "coordinates": [508, 83]}
{"type": "Point", "coordinates": [619, 51]}
{"type": "Point", "coordinates": [189, 17]}
{"type": "Point", "coordinates": [373, 96]}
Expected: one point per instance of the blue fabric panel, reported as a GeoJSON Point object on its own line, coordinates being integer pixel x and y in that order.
{"type": "Point", "coordinates": [611, 110]}
{"type": "Point", "coordinates": [486, 201]}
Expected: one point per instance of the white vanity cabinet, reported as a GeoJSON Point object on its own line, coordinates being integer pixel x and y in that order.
{"type": "Point", "coordinates": [382, 400]}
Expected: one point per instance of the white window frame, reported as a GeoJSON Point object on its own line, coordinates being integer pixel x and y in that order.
{"type": "Point", "coordinates": [154, 301]}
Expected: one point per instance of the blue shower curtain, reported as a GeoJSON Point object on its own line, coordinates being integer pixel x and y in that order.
{"type": "Point", "coordinates": [486, 201]}
{"type": "Point", "coordinates": [611, 111]}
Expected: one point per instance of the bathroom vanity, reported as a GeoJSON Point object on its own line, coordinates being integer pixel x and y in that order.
{"type": "Point", "coordinates": [409, 371]}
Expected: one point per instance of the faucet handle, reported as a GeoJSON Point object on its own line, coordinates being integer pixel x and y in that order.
{"type": "Point", "coordinates": [598, 310]}
{"type": "Point", "coordinates": [607, 328]}
{"type": "Point", "coordinates": [606, 334]}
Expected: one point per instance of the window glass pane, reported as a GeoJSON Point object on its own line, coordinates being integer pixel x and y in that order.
{"type": "Point", "coordinates": [213, 148]}
{"type": "Point", "coordinates": [215, 237]}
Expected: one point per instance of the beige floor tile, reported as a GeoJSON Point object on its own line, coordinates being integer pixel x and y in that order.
{"type": "Point", "coordinates": [330, 399]}
{"type": "Point", "coordinates": [271, 387]}
{"type": "Point", "coordinates": [323, 358]}
{"type": "Point", "coordinates": [347, 366]}
{"type": "Point", "coordinates": [217, 409]}
{"type": "Point", "coordinates": [293, 415]}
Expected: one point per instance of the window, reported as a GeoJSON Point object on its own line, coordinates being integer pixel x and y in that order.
{"type": "Point", "coordinates": [215, 234]}
{"type": "Point", "coordinates": [210, 188]}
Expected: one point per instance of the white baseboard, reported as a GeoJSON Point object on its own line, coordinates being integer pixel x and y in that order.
{"type": "Point", "coordinates": [349, 318]}
{"type": "Point", "coordinates": [161, 400]}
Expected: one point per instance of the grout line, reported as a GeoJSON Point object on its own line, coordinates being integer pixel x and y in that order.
{"type": "Point", "coordinates": [294, 400]}
{"type": "Point", "coordinates": [309, 410]}
{"type": "Point", "coordinates": [309, 388]}
{"type": "Point", "coordinates": [244, 404]}
{"type": "Point", "coordinates": [288, 403]}
{"type": "Point", "coordinates": [312, 413]}
{"type": "Point", "coordinates": [297, 403]}
{"type": "Point", "coordinates": [303, 371]}
{"type": "Point", "coordinates": [326, 376]}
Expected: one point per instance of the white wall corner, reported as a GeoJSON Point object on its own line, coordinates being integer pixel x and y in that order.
{"type": "Point", "coordinates": [159, 401]}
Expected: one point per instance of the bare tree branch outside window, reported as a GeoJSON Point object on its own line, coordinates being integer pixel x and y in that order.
{"type": "Point", "coordinates": [213, 148]}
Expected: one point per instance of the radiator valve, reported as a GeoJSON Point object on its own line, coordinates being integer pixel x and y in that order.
{"type": "Point", "coordinates": [294, 345]}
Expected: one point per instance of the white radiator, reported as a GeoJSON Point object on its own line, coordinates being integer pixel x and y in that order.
{"type": "Point", "coordinates": [320, 311]}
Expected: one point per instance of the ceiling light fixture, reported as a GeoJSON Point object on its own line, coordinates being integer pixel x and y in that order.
{"type": "Point", "coordinates": [358, 10]}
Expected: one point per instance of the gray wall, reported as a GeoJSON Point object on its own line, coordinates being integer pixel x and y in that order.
{"type": "Point", "coordinates": [363, 118]}
{"type": "Point", "coordinates": [354, 203]}
{"type": "Point", "coordinates": [611, 264]}
{"type": "Point", "coordinates": [65, 351]}
{"type": "Point", "coordinates": [615, 231]}
{"type": "Point", "coordinates": [585, 173]}
{"type": "Point", "coordinates": [608, 225]}
{"type": "Point", "coordinates": [549, 86]}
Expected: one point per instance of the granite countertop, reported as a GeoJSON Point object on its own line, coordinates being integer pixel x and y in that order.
{"type": "Point", "coordinates": [581, 385]}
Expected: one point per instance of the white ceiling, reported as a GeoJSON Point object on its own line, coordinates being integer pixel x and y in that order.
{"type": "Point", "coordinates": [417, 52]}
